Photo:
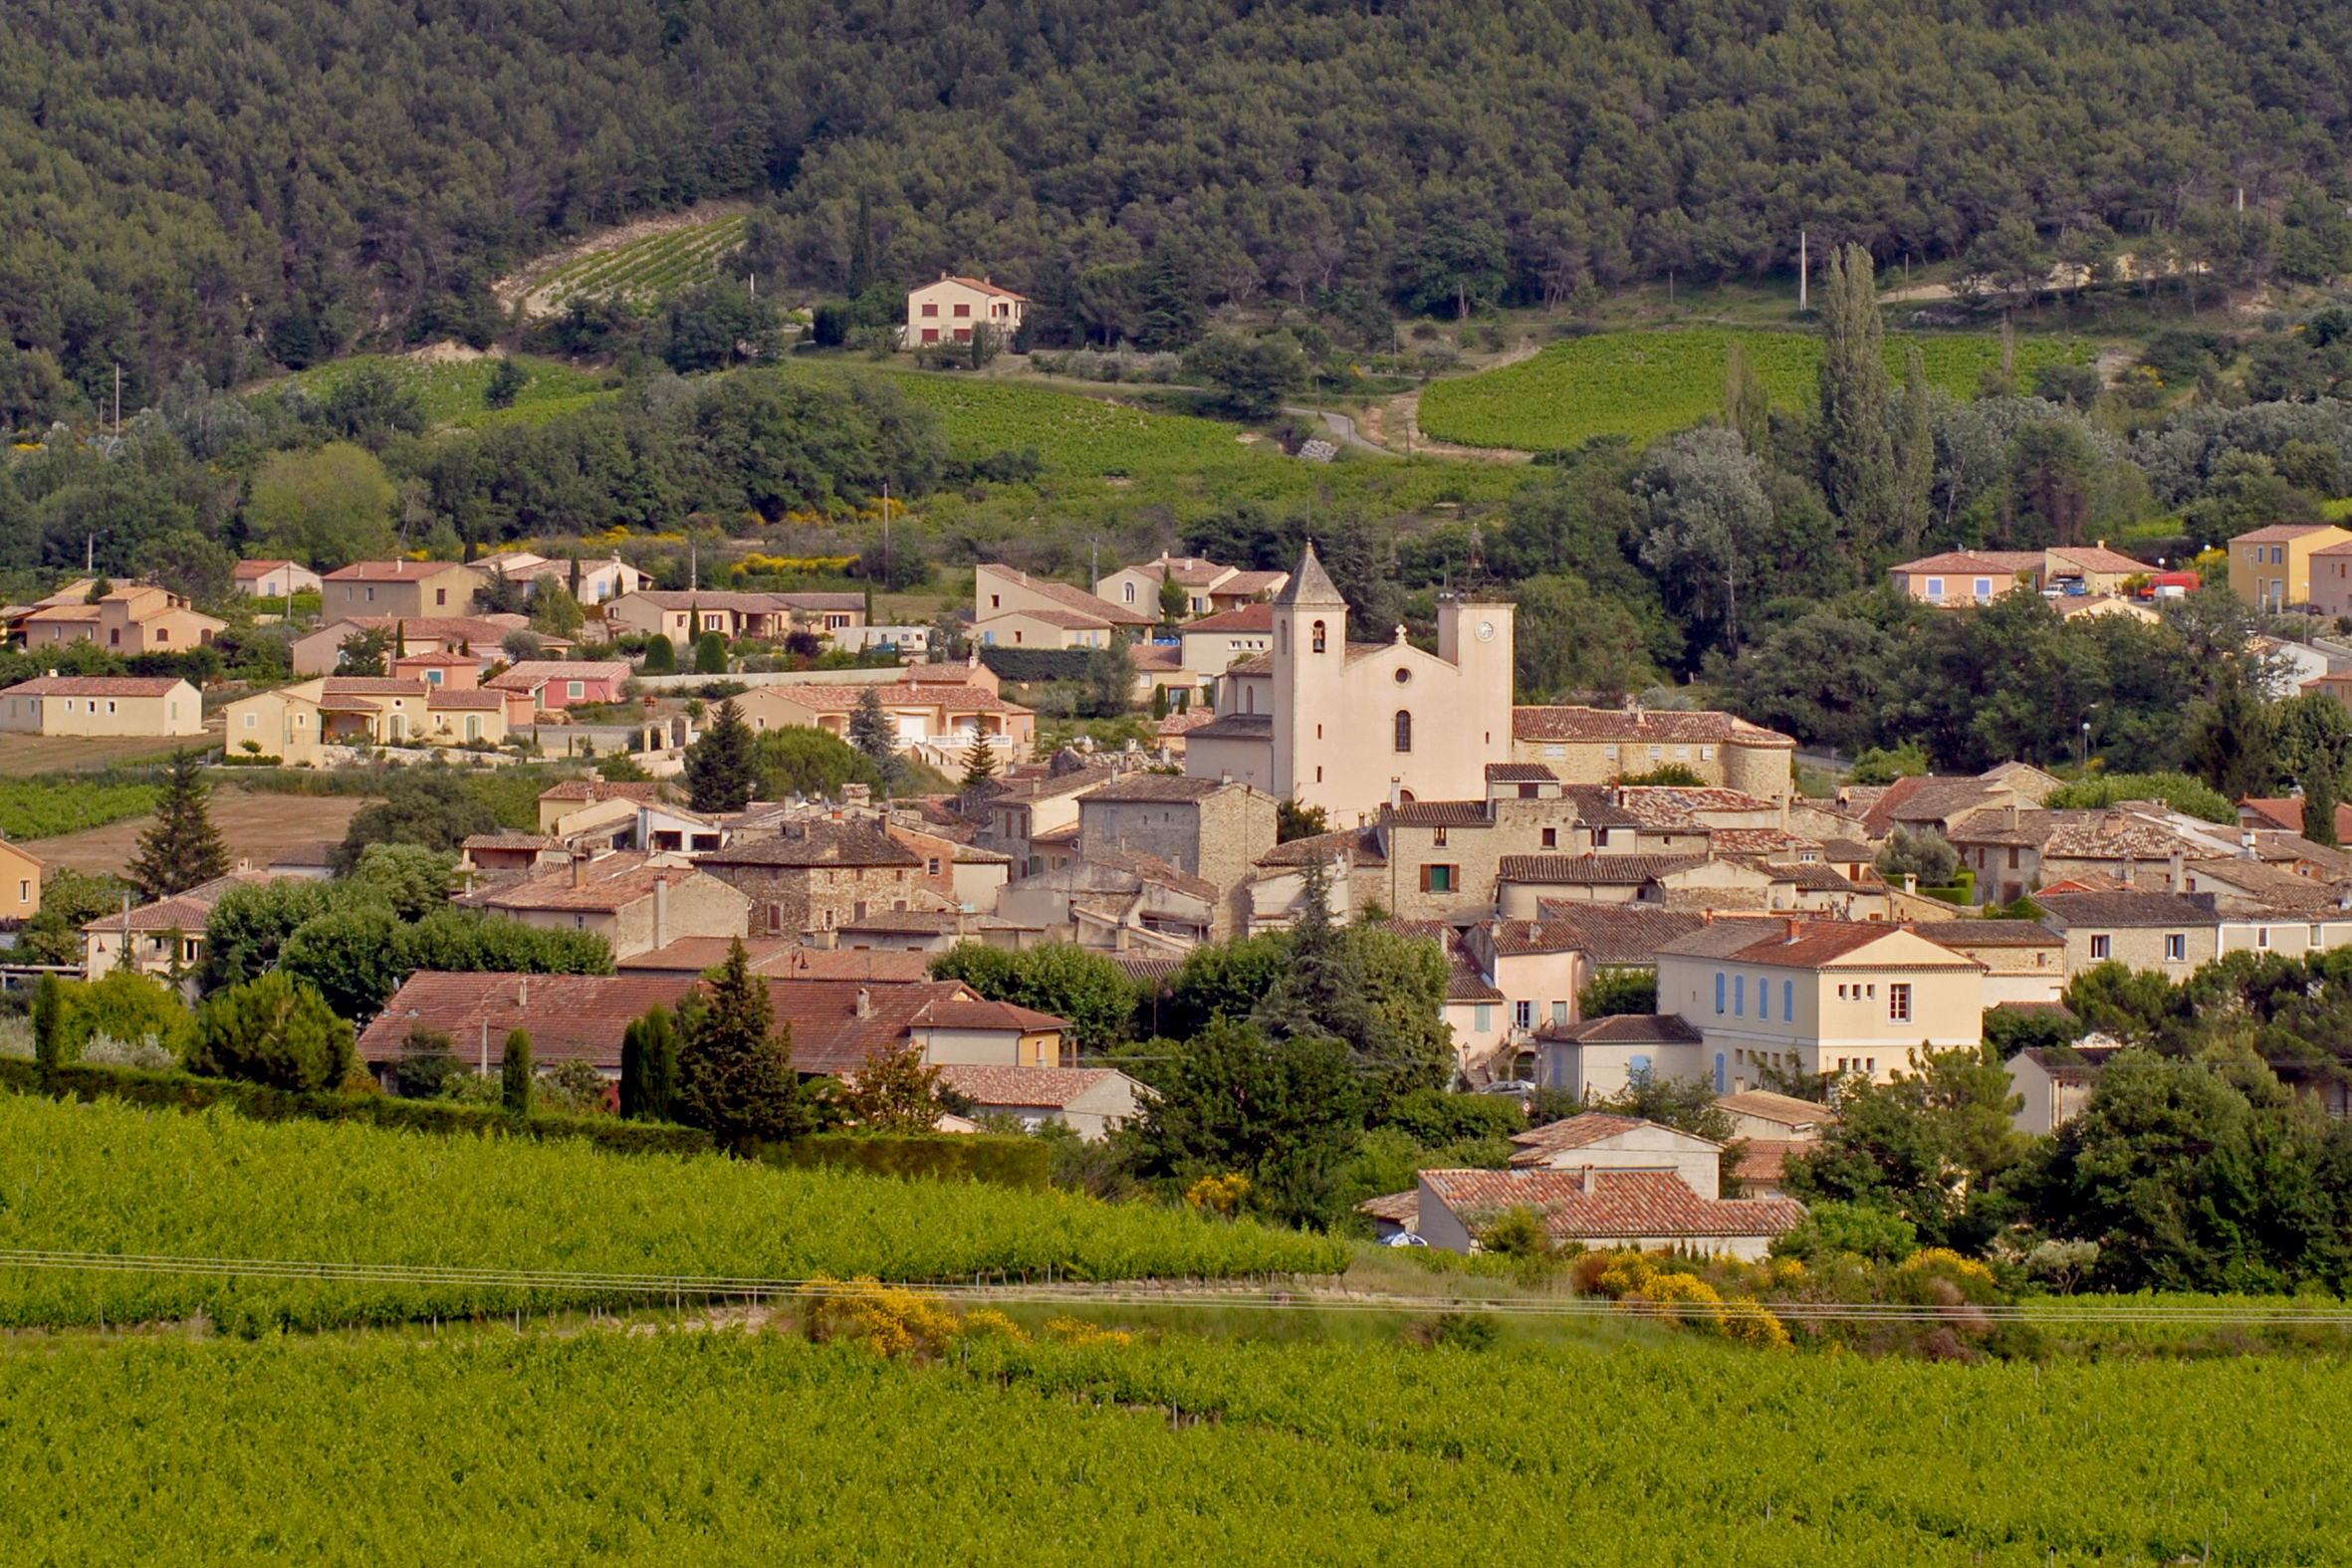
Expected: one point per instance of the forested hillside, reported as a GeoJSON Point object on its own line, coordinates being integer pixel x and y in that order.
{"type": "Point", "coordinates": [239, 185]}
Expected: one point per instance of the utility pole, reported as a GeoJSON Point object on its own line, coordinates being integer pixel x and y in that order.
{"type": "Point", "coordinates": [885, 533]}
{"type": "Point", "coordinates": [693, 570]}
{"type": "Point", "coordinates": [1095, 567]}
{"type": "Point", "coordinates": [1803, 267]}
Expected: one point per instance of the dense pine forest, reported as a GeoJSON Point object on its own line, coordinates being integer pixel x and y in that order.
{"type": "Point", "coordinates": [234, 186]}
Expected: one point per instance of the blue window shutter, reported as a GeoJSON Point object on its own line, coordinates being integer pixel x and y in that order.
{"type": "Point", "coordinates": [1718, 992]}
{"type": "Point", "coordinates": [1788, 1002]}
{"type": "Point", "coordinates": [1719, 1074]}
{"type": "Point", "coordinates": [1738, 995]}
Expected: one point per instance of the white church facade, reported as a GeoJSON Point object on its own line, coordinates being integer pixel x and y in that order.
{"type": "Point", "coordinates": [1350, 727]}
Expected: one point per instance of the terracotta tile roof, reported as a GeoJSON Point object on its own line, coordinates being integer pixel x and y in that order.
{"type": "Point", "coordinates": [1435, 813]}
{"type": "Point", "coordinates": [601, 790]}
{"type": "Point", "coordinates": [2091, 558]}
{"type": "Point", "coordinates": [1183, 723]}
{"type": "Point", "coordinates": [1809, 876]}
{"type": "Point", "coordinates": [1649, 727]}
{"type": "Point", "coordinates": [248, 569]}
{"type": "Point", "coordinates": [524, 674]}
{"type": "Point", "coordinates": [509, 839]}
{"type": "Point", "coordinates": [1929, 800]}
{"type": "Point", "coordinates": [1624, 1028]}
{"type": "Point", "coordinates": [1067, 619]}
{"type": "Point", "coordinates": [1248, 619]}
{"type": "Point", "coordinates": [1255, 664]}
{"type": "Point", "coordinates": [1152, 971]}
{"type": "Point", "coordinates": [1519, 772]}
{"type": "Point", "coordinates": [1989, 933]}
{"type": "Point", "coordinates": [2288, 815]}
{"type": "Point", "coordinates": [972, 1012]}
{"type": "Point", "coordinates": [1764, 1161]}
{"type": "Point", "coordinates": [1583, 1131]}
{"type": "Point", "coordinates": [1848, 852]}
{"type": "Point", "coordinates": [1071, 598]}
{"type": "Point", "coordinates": [488, 630]}
{"type": "Point", "coordinates": [186, 913]}
{"type": "Point", "coordinates": [828, 1035]}
{"type": "Point", "coordinates": [1251, 582]}
{"type": "Point", "coordinates": [819, 843]}
{"type": "Point", "coordinates": [1755, 841]}
{"type": "Point", "coordinates": [1621, 1204]}
{"type": "Point", "coordinates": [2281, 533]}
{"type": "Point", "coordinates": [1156, 658]}
{"type": "Point", "coordinates": [1594, 870]}
{"type": "Point", "coordinates": [1960, 562]}
{"type": "Point", "coordinates": [390, 570]}
{"type": "Point", "coordinates": [1168, 788]}
{"type": "Point", "coordinates": [2073, 910]}
{"type": "Point", "coordinates": [1818, 944]}
{"type": "Point", "coordinates": [1046, 1087]}
{"type": "Point", "coordinates": [2274, 885]}
{"type": "Point", "coordinates": [842, 698]}
{"type": "Point", "coordinates": [1150, 868]}
{"type": "Point", "coordinates": [1786, 1110]}
{"type": "Point", "coordinates": [1520, 938]}
{"type": "Point", "coordinates": [437, 697]}
{"type": "Point", "coordinates": [1235, 727]}
{"type": "Point", "coordinates": [613, 883]}
{"type": "Point", "coordinates": [986, 287]}
{"type": "Point", "coordinates": [95, 686]}
{"type": "Point", "coordinates": [1360, 845]}
{"type": "Point", "coordinates": [1596, 807]}
{"type": "Point", "coordinates": [370, 686]}
{"type": "Point", "coordinates": [1616, 935]}
{"type": "Point", "coordinates": [784, 959]}
{"type": "Point", "coordinates": [570, 1017]}
{"type": "Point", "coordinates": [1395, 1207]}
{"type": "Point", "coordinates": [712, 600]}
{"type": "Point", "coordinates": [2331, 865]}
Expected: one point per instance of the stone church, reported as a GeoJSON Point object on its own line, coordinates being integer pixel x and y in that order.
{"type": "Point", "coordinates": [1353, 726]}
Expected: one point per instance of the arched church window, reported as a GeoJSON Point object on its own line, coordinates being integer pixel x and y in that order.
{"type": "Point", "coordinates": [1318, 636]}
{"type": "Point", "coordinates": [1404, 731]}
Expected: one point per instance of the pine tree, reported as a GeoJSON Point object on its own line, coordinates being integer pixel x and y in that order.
{"type": "Point", "coordinates": [649, 1067]}
{"type": "Point", "coordinates": [872, 730]}
{"type": "Point", "coordinates": [980, 763]}
{"type": "Point", "coordinates": [1857, 403]}
{"type": "Point", "coordinates": [734, 1072]}
{"type": "Point", "coordinates": [721, 768]}
{"type": "Point", "coordinates": [183, 848]}
{"type": "Point", "coordinates": [514, 1074]}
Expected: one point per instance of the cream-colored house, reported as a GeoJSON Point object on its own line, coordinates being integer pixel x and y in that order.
{"type": "Point", "coordinates": [947, 311]}
{"type": "Point", "coordinates": [132, 618]}
{"type": "Point", "coordinates": [1819, 997]}
{"type": "Point", "coordinates": [91, 705]}
{"type": "Point", "coordinates": [412, 589]}
{"type": "Point", "coordinates": [599, 580]}
{"type": "Point", "coordinates": [2271, 568]}
{"type": "Point", "coordinates": [1350, 727]}
{"type": "Point", "coordinates": [1209, 589]}
{"type": "Point", "coordinates": [1969, 576]}
{"type": "Point", "coordinates": [1051, 630]}
{"type": "Point", "coordinates": [1215, 643]}
{"type": "Point", "coordinates": [320, 652]}
{"type": "Point", "coordinates": [276, 580]}
{"type": "Point", "coordinates": [1000, 590]}
{"type": "Point", "coordinates": [682, 614]}
{"type": "Point", "coordinates": [293, 722]}
{"type": "Point", "coordinates": [2023, 960]}
{"type": "Point", "coordinates": [924, 712]}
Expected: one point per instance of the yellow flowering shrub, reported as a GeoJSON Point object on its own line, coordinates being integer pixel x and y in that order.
{"type": "Point", "coordinates": [988, 1320]}
{"type": "Point", "coordinates": [1685, 1298]}
{"type": "Point", "coordinates": [891, 1319]}
{"type": "Point", "coordinates": [1076, 1331]}
{"type": "Point", "coordinates": [1627, 1273]}
{"type": "Point", "coordinates": [1219, 1195]}
{"type": "Point", "coordinates": [1746, 1323]}
{"type": "Point", "coordinates": [1941, 1260]}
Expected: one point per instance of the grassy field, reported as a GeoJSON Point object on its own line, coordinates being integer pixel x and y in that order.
{"type": "Point", "coordinates": [110, 1179]}
{"type": "Point", "coordinates": [1643, 384]}
{"type": "Point", "coordinates": [453, 392]}
{"type": "Point", "coordinates": [27, 755]}
{"type": "Point", "coordinates": [725, 1447]}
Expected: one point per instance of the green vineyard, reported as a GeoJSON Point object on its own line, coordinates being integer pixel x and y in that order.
{"type": "Point", "coordinates": [1645, 384]}
{"type": "Point", "coordinates": [722, 1446]}
{"type": "Point", "coordinates": [1082, 436]}
{"type": "Point", "coordinates": [456, 392]}
{"type": "Point", "coordinates": [644, 270]}
{"type": "Point", "coordinates": [110, 1179]}
{"type": "Point", "coordinates": [39, 809]}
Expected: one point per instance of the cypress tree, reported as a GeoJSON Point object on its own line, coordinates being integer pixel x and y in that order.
{"type": "Point", "coordinates": [49, 1007]}
{"type": "Point", "coordinates": [514, 1074]}
{"type": "Point", "coordinates": [1857, 403]}
{"type": "Point", "coordinates": [734, 1072]}
{"type": "Point", "coordinates": [1746, 406]}
{"type": "Point", "coordinates": [661, 656]}
{"type": "Point", "coordinates": [183, 848]}
{"type": "Point", "coordinates": [2319, 805]}
{"type": "Point", "coordinates": [710, 654]}
{"type": "Point", "coordinates": [721, 768]}
{"type": "Point", "coordinates": [649, 1067]}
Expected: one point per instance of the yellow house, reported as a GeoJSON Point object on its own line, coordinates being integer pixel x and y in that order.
{"type": "Point", "coordinates": [2271, 568]}
{"type": "Point", "coordinates": [133, 618]}
{"type": "Point", "coordinates": [91, 705]}
{"type": "Point", "coordinates": [20, 882]}
{"type": "Point", "coordinates": [1819, 997]}
{"type": "Point", "coordinates": [947, 311]}
{"type": "Point", "coordinates": [294, 722]}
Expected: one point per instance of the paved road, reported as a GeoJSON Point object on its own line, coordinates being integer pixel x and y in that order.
{"type": "Point", "coordinates": [1342, 427]}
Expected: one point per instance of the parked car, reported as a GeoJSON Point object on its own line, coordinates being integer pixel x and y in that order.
{"type": "Point", "coordinates": [1522, 1087]}
{"type": "Point", "coordinates": [1405, 1238]}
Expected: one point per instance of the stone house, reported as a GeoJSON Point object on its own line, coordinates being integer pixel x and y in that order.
{"type": "Point", "coordinates": [2166, 933]}
{"type": "Point", "coordinates": [1603, 1208]}
{"type": "Point", "coordinates": [635, 902]}
{"type": "Point", "coordinates": [1116, 900]}
{"type": "Point", "coordinates": [96, 705]}
{"type": "Point", "coordinates": [1599, 744]}
{"type": "Point", "coordinates": [1597, 1057]}
{"type": "Point", "coordinates": [1819, 997]}
{"type": "Point", "coordinates": [1211, 829]}
{"type": "Point", "coordinates": [131, 617]}
{"type": "Point", "coordinates": [819, 875]}
{"type": "Point", "coordinates": [2053, 1085]}
{"type": "Point", "coordinates": [2024, 960]}
{"type": "Point", "coordinates": [2013, 850]}
{"type": "Point", "coordinates": [1690, 882]}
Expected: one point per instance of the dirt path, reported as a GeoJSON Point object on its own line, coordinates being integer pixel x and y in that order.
{"type": "Point", "coordinates": [254, 826]}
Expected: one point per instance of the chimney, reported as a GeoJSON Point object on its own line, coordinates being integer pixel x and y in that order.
{"type": "Point", "coordinates": [1911, 882]}
{"type": "Point", "coordinates": [2245, 845]}
{"type": "Point", "coordinates": [2172, 878]}
{"type": "Point", "coordinates": [523, 994]}
{"type": "Point", "coordinates": [1792, 922]}
{"type": "Point", "coordinates": [1395, 793]}
{"type": "Point", "coordinates": [661, 910]}
{"type": "Point", "coordinates": [2009, 816]}
{"type": "Point", "coordinates": [1120, 940]}
{"type": "Point", "coordinates": [579, 861]}
{"type": "Point", "coordinates": [1585, 1181]}
{"type": "Point", "coordinates": [2112, 822]}
{"type": "Point", "coordinates": [866, 1003]}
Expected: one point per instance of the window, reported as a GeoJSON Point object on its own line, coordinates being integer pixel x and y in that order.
{"type": "Point", "coordinates": [930, 333]}
{"type": "Point", "coordinates": [1404, 731]}
{"type": "Point", "coordinates": [2315, 937]}
{"type": "Point", "coordinates": [1935, 587]}
{"type": "Point", "coordinates": [1656, 752]}
{"type": "Point", "coordinates": [1551, 838]}
{"type": "Point", "coordinates": [1523, 1015]}
{"type": "Point", "coordinates": [2100, 947]}
{"type": "Point", "coordinates": [1318, 643]}
{"type": "Point", "coordinates": [372, 595]}
{"type": "Point", "coordinates": [1899, 1003]}
{"type": "Point", "coordinates": [1718, 994]}
{"type": "Point", "coordinates": [24, 892]}
{"type": "Point", "coordinates": [1559, 1012]}
{"type": "Point", "coordinates": [2013, 857]}
{"type": "Point", "coordinates": [440, 596]}
{"type": "Point", "coordinates": [932, 310]}
{"type": "Point", "coordinates": [114, 635]}
{"type": "Point", "coordinates": [1706, 753]}
{"type": "Point", "coordinates": [163, 634]}
{"type": "Point", "coordinates": [1738, 995]}
{"type": "Point", "coordinates": [2277, 554]}
{"type": "Point", "coordinates": [579, 922]}
{"type": "Point", "coordinates": [2176, 947]}
{"type": "Point", "coordinates": [1481, 1016]}
{"type": "Point", "coordinates": [1404, 677]}
{"type": "Point", "coordinates": [1131, 591]}
{"type": "Point", "coordinates": [1600, 838]}
{"type": "Point", "coordinates": [1564, 751]}
{"type": "Point", "coordinates": [1437, 837]}
{"type": "Point", "coordinates": [1983, 587]}
{"type": "Point", "coordinates": [1682, 753]}
{"type": "Point", "coordinates": [2262, 933]}
{"type": "Point", "coordinates": [962, 312]}
{"type": "Point", "coordinates": [187, 950]}
{"type": "Point", "coordinates": [252, 721]}
{"type": "Point", "coordinates": [576, 689]}
{"type": "Point", "coordinates": [1788, 1002]}
{"type": "Point", "coordinates": [1438, 879]}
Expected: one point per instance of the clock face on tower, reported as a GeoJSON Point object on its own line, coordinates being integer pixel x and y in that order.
{"type": "Point", "coordinates": [1486, 631]}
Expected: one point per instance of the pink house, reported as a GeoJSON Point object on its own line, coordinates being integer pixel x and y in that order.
{"type": "Point", "coordinates": [552, 685]}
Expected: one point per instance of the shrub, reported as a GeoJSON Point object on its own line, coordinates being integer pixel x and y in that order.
{"type": "Point", "coordinates": [275, 1030]}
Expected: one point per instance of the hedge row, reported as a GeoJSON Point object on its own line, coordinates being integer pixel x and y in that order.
{"type": "Point", "coordinates": [1019, 1163]}
{"type": "Point", "coordinates": [1036, 664]}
